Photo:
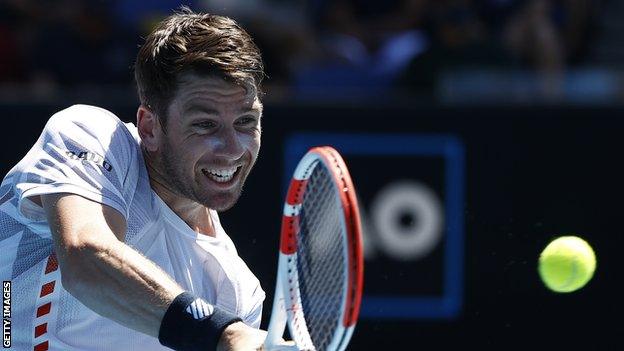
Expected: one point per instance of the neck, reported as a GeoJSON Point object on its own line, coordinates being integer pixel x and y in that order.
{"type": "Point", "coordinates": [195, 215]}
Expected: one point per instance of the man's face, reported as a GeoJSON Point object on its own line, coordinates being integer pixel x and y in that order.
{"type": "Point", "coordinates": [212, 140]}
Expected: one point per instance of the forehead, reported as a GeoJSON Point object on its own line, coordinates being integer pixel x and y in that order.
{"type": "Point", "coordinates": [193, 88]}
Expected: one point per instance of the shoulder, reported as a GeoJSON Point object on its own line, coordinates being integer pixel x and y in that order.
{"type": "Point", "coordinates": [88, 124]}
{"type": "Point", "coordinates": [92, 115]}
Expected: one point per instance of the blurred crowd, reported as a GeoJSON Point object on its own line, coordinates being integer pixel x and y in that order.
{"type": "Point", "coordinates": [312, 47]}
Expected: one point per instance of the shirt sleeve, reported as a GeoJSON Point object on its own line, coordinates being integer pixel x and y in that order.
{"type": "Point", "coordinates": [254, 317]}
{"type": "Point", "coordinates": [83, 150]}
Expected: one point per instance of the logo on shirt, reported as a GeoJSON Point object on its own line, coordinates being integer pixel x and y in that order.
{"type": "Point", "coordinates": [88, 156]}
{"type": "Point", "coordinates": [199, 309]}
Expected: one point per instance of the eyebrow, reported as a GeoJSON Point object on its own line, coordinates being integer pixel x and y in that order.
{"type": "Point", "coordinates": [249, 109]}
{"type": "Point", "coordinates": [202, 109]}
{"type": "Point", "coordinates": [211, 111]}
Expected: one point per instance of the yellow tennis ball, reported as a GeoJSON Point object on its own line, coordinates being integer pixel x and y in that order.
{"type": "Point", "coordinates": [567, 264]}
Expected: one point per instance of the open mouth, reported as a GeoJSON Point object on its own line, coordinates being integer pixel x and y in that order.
{"type": "Point", "coordinates": [221, 175]}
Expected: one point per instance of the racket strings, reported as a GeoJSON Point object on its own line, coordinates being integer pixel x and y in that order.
{"type": "Point", "coordinates": [320, 258]}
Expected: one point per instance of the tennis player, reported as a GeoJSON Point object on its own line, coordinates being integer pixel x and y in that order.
{"type": "Point", "coordinates": [109, 232]}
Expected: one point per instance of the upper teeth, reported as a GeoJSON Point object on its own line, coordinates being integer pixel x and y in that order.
{"type": "Point", "coordinates": [221, 175]}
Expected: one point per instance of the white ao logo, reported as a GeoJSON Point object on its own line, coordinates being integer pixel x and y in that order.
{"type": "Point", "coordinates": [405, 221]}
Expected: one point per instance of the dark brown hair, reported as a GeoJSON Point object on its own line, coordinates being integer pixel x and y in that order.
{"type": "Point", "coordinates": [199, 43]}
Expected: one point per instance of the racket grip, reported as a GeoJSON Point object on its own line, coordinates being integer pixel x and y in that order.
{"type": "Point", "coordinates": [277, 323]}
{"type": "Point", "coordinates": [276, 326]}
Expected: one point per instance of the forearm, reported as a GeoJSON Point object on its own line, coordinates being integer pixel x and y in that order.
{"type": "Point", "coordinates": [100, 270]}
{"type": "Point", "coordinates": [118, 283]}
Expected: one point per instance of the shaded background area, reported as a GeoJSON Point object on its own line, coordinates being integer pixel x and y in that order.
{"type": "Point", "coordinates": [532, 91]}
{"type": "Point", "coordinates": [448, 51]}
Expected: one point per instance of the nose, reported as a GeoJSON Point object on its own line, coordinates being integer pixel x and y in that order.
{"type": "Point", "coordinates": [228, 144]}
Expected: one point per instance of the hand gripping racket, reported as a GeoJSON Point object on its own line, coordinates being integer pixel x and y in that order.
{"type": "Point", "coordinates": [320, 269]}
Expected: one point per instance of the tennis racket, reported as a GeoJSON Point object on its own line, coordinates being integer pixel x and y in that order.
{"type": "Point", "coordinates": [321, 267]}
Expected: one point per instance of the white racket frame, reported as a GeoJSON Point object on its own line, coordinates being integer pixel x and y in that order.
{"type": "Point", "coordinates": [287, 309]}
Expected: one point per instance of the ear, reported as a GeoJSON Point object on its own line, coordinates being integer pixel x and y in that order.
{"type": "Point", "coordinates": [149, 128]}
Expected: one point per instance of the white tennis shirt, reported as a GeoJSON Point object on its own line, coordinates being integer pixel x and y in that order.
{"type": "Point", "coordinates": [88, 151]}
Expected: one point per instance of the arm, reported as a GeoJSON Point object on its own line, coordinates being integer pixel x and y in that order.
{"type": "Point", "coordinates": [113, 279]}
{"type": "Point", "coordinates": [101, 271]}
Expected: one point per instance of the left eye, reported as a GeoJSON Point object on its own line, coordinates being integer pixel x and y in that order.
{"type": "Point", "coordinates": [245, 120]}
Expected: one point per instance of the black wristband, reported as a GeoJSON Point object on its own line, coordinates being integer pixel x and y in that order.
{"type": "Point", "coordinates": [189, 324]}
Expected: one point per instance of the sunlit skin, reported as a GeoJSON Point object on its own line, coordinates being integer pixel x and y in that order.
{"type": "Point", "coordinates": [212, 124]}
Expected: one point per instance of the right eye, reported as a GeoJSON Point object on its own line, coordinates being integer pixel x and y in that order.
{"type": "Point", "coordinates": [205, 125]}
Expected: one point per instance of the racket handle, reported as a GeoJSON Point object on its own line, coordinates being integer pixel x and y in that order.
{"type": "Point", "coordinates": [277, 323]}
{"type": "Point", "coordinates": [276, 330]}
